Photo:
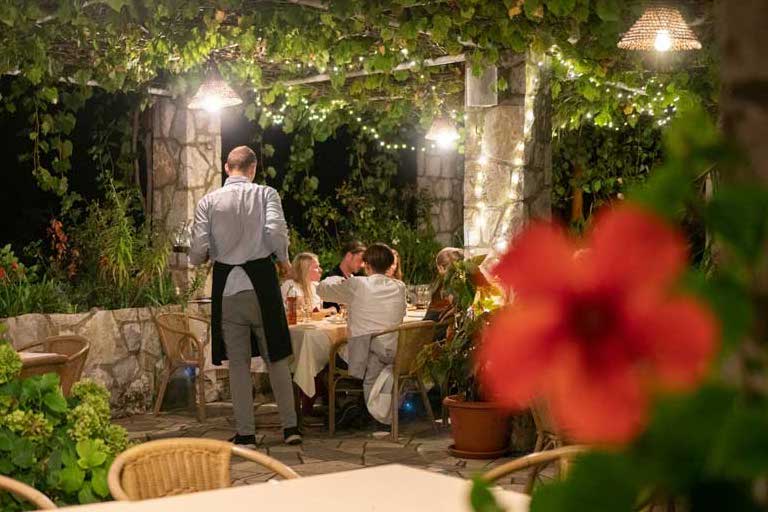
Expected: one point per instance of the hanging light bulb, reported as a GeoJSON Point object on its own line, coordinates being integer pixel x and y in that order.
{"type": "Point", "coordinates": [663, 41]}
{"type": "Point", "coordinates": [443, 132]}
{"type": "Point", "coordinates": [214, 93]}
{"type": "Point", "coordinates": [661, 28]}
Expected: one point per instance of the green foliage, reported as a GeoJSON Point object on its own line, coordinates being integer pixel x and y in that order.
{"type": "Point", "coordinates": [10, 364]}
{"type": "Point", "coordinates": [609, 162]}
{"type": "Point", "coordinates": [105, 260]}
{"type": "Point", "coordinates": [285, 41]}
{"type": "Point", "coordinates": [707, 449]}
{"type": "Point", "coordinates": [481, 498]}
{"type": "Point", "coordinates": [451, 362]}
{"type": "Point", "coordinates": [24, 290]}
{"type": "Point", "coordinates": [121, 263]}
{"type": "Point", "coordinates": [62, 447]}
{"type": "Point", "coordinates": [366, 207]}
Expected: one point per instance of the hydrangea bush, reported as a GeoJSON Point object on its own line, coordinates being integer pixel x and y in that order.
{"type": "Point", "coordinates": [61, 446]}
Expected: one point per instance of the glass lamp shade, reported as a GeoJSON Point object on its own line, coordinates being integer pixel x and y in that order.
{"type": "Point", "coordinates": [214, 94]}
{"type": "Point", "coordinates": [660, 28]}
{"type": "Point", "coordinates": [443, 132]}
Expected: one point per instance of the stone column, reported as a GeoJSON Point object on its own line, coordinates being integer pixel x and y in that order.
{"type": "Point", "coordinates": [440, 174]}
{"type": "Point", "coordinates": [508, 158]}
{"type": "Point", "coordinates": [186, 165]}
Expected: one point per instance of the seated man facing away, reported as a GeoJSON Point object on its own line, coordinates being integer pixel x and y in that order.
{"type": "Point", "coordinates": [376, 303]}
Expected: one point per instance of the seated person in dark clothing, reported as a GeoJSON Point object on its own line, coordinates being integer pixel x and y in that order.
{"type": "Point", "coordinates": [351, 264]}
{"type": "Point", "coordinates": [440, 307]}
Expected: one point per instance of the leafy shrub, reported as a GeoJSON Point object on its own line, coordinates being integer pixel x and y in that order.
{"type": "Point", "coordinates": [370, 213]}
{"type": "Point", "coordinates": [62, 447]}
{"type": "Point", "coordinates": [23, 290]}
{"type": "Point", "coordinates": [451, 362]}
{"type": "Point", "coordinates": [108, 260]}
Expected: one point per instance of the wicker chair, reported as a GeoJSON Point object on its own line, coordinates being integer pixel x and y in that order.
{"type": "Point", "coordinates": [537, 460]}
{"type": "Point", "coordinates": [64, 355]}
{"type": "Point", "coordinates": [168, 467]}
{"type": "Point", "coordinates": [39, 500]}
{"type": "Point", "coordinates": [548, 436]}
{"type": "Point", "coordinates": [412, 337]}
{"type": "Point", "coordinates": [182, 349]}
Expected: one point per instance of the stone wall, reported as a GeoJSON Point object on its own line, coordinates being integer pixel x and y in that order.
{"type": "Point", "coordinates": [125, 354]}
{"type": "Point", "coordinates": [440, 173]}
{"type": "Point", "coordinates": [508, 162]}
{"type": "Point", "coordinates": [186, 165]}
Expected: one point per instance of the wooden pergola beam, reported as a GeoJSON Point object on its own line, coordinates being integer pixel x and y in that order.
{"type": "Point", "coordinates": [325, 77]}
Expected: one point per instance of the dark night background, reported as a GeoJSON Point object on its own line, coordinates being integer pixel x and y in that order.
{"type": "Point", "coordinates": [26, 210]}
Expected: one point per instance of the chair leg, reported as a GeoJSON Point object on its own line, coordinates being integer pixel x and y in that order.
{"type": "Point", "coordinates": [532, 476]}
{"type": "Point", "coordinates": [166, 376]}
{"type": "Point", "coordinates": [427, 405]}
{"type": "Point", "coordinates": [395, 408]}
{"type": "Point", "coordinates": [200, 398]}
{"type": "Point", "coordinates": [443, 409]}
{"type": "Point", "coordinates": [331, 403]}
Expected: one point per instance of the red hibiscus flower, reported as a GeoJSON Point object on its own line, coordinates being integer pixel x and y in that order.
{"type": "Point", "coordinates": [2, 272]}
{"type": "Point", "coordinates": [598, 333]}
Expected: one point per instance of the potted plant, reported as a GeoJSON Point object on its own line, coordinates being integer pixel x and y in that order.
{"type": "Point", "coordinates": [480, 426]}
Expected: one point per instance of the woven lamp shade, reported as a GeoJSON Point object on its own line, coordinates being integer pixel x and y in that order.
{"type": "Point", "coordinates": [214, 94]}
{"type": "Point", "coordinates": [660, 28]}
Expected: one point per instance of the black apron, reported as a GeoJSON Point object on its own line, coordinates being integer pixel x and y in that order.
{"type": "Point", "coordinates": [263, 277]}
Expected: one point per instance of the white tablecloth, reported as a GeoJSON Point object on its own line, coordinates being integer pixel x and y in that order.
{"type": "Point", "coordinates": [311, 347]}
{"type": "Point", "coordinates": [391, 488]}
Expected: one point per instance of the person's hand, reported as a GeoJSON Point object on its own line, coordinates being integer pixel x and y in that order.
{"type": "Point", "coordinates": [284, 269]}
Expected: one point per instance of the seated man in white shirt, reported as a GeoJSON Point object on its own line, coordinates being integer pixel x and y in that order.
{"type": "Point", "coordinates": [376, 303]}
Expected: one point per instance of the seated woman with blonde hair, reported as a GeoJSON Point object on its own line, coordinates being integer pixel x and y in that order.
{"type": "Point", "coordinates": [440, 306]}
{"type": "Point", "coordinates": [396, 270]}
{"type": "Point", "coordinates": [305, 274]}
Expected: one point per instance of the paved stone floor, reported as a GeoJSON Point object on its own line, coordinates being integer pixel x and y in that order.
{"type": "Point", "coordinates": [418, 445]}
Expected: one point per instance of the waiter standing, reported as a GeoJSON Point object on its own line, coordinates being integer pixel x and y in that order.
{"type": "Point", "coordinates": [240, 227]}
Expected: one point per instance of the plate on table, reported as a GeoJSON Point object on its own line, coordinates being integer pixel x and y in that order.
{"type": "Point", "coordinates": [335, 320]}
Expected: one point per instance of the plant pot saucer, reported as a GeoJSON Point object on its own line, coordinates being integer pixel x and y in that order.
{"type": "Point", "coordinates": [461, 454]}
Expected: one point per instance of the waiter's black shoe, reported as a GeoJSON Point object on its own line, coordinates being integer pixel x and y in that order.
{"type": "Point", "coordinates": [292, 435]}
{"type": "Point", "coordinates": [244, 441]}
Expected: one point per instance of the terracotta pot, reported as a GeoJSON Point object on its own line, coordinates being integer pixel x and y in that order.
{"type": "Point", "coordinates": [480, 429]}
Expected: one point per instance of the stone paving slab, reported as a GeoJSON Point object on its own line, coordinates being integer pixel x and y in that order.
{"type": "Point", "coordinates": [418, 446]}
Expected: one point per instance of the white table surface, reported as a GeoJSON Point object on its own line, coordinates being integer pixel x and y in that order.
{"type": "Point", "coordinates": [391, 488]}
{"type": "Point", "coordinates": [312, 346]}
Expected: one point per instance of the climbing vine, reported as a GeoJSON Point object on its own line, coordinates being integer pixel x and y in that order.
{"type": "Point", "coordinates": [376, 54]}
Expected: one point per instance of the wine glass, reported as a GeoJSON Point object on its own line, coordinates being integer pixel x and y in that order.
{"type": "Point", "coordinates": [182, 237]}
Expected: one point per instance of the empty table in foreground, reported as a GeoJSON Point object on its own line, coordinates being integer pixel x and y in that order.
{"type": "Point", "coordinates": [391, 488]}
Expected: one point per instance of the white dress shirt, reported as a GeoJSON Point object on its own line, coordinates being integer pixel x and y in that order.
{"type": "Point", "coordinates": [239, 222]}
{"type": "Point", "coordinates": [376, 303]}
{"type": "Point", "coordinates": [317, 302]}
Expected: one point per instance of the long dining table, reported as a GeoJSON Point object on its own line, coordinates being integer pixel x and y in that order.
{"type": "Point", "coordinates": [312, 342]}
{"type": "Point", "coordinates": [389, 488]}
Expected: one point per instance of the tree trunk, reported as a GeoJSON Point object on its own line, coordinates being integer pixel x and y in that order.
{"type": "Point", "coordinates": [577, 203]}
{"type": "Point", "coordinates": [744, 118]}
